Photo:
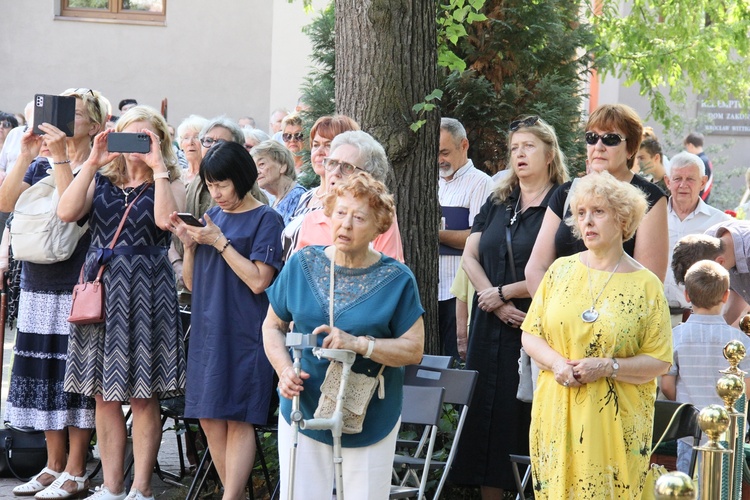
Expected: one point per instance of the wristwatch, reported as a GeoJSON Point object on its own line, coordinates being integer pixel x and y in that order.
{"type": "Point", "coordinates": [370, 346]}
{"type": "Point", "coordinates": [615, 368]}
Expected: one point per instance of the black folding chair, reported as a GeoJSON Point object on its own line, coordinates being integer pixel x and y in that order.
{"type": "Point", "coordinates": [422, 406]}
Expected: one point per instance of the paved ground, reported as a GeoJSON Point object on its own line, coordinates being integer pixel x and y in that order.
{"type": "Point", "coordinates": [168, 455]}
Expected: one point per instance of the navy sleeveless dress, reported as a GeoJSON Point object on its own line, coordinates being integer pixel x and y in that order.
{"type": "Point", "coordinates": [138, 351]}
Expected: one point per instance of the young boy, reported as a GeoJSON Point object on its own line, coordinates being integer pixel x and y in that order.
{"type": "Point", "coordinates": [699, 344]}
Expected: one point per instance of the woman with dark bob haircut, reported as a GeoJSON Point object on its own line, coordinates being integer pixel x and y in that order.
{"type": "Point", "coordinates": [228, 264]}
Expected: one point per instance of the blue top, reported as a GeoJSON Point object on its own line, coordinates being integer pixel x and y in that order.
{"type": "Point", "coordinates": [381, 300]}
{"type": "Point", "coordinates": [288, 203]}
{"type": "Point", "coordinates": [228, 374]}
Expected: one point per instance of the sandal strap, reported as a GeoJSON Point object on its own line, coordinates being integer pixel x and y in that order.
{"type": "Point", "coordinates": [64, 477]}
{"type": "Point", "coordinates": [49, 471]}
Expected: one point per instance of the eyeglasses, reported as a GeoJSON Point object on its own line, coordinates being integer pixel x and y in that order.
{"type": "Point", "coordinates": [611, 139]}
{"type": "Point", "coordinates": [528, 122]}
{"type": "Point", "coordinates": [207, 142]}
{"type": "Point", "coordinates": [346, 168]}
{"type": "Point", "coordinates": [6, 124]}
{"type": "Point", "coordinates": [289, 137]}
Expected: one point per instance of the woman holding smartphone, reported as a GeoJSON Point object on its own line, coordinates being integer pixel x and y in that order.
{"type": "Point", "coordinates": [228, 265]}
{"type": "Point", "coordinates": [36, 397]}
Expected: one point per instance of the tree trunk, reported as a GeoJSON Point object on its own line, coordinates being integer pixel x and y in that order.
{"type": "Point", "coordinates": [385, 63]}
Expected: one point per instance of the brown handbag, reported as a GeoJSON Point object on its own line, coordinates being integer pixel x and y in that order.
{"type": "Point", "coordinates": [87, 306]}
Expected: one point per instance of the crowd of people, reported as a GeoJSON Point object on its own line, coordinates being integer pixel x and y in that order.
{"type": "Point", "coordinates": [580, 274]}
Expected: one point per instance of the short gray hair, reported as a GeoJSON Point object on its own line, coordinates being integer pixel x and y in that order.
{"type": "Point", "coordinates": [685, 159]}
{"type": "Point", "coordinates": [371, 153]}
{"type": "Point", "coordinates": [227, 123]}
{"type": "Point", "coordinates": [256, 134]}
{"type": "Point", "coordinates": [277, 153]}
{"type": "Point", "coordinates": [454, 128]}
{"type": "Point", "coordinates": [192, 122]}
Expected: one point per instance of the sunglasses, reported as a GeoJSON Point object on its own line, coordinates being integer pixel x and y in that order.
{"type": "Point", "coordinates": [6, 124]}
{"type": "Point", "coordinates": [528, 122]}
{"type": "Point", "coordinates": [346, 168]}
{"type": "Point", "coordinates": [611, 139]}
{"type": "Point", "coordinates": [207, 142]}
{"type": "Point", "coordinates": [289, 137]}
{"type": "Point", "coordinates": [87, 94]}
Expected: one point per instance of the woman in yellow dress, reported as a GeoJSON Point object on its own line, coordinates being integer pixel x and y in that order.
{"type": "Point", "coordinates": [599, 330]}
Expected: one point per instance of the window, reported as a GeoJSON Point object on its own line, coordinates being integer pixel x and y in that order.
{"type": "Point", "coordinates": [135, 11]}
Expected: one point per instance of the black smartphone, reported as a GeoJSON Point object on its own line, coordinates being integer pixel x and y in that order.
{"type": "Point", "coordinates": [128, 142]}
{"type": "Point", "coordinates": [57, 110]}
{"type": "Point", "coordinates": [190, 219]}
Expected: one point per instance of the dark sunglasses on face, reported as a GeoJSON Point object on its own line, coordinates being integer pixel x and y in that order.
{"type": "Point", "coordinates": [346, 168]}
{"type": "Point", "coordinates": [611, 139]}
{"type": "Point", "coordinates": [207, 142]}
{"type": "Point", "coordinates": [289, 137]}
{"type": "Point", "coordinates": [5, 124]}
{"type": "Point", "coordinates": [528, 122]}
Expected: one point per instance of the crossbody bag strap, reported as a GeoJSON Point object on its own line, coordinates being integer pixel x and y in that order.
{"type": "Point", "coordinates": [666, 429]}
{"type": "Point", "coordinates": [117, 233]}
{"type": "Point", "coordinates": [509, 245]}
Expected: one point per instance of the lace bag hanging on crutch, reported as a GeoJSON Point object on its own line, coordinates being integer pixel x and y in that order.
{"type": "Point", "coordinates": [359, 388]}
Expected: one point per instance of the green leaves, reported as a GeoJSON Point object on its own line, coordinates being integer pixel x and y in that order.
{"type": "Point", "coordinates": [673, 46]}
{"type": "Point", "coordinates": [425, 107]}
{"type": "Point", "coordinates": [452, 19]}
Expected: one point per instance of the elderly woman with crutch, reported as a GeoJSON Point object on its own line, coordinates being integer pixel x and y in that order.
{"type": "Point", "coordinates": [353, 298]}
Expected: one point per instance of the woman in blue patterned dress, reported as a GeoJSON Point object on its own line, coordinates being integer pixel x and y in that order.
{"type": "Point", "coordinates": [36, 397]}
{"type": "Point", "coordinates": [229, 262]}
{"type": "Point", "coordinates": [137, 354]}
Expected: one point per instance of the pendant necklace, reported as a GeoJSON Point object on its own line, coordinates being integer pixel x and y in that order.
{"type": "Point", "coordinates": [126, 192]}
{"type": "Point", "coordinates": [590, 315]}
{"type": "Point", "coordinates": [517, 211]}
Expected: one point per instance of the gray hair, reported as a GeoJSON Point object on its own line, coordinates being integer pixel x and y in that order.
{"type": "Point", "coordinates": [454, 128]}
{"type": "Point", "coordinates": [224, 122]}
{"type": "Point", "coordinates": [371, 153]}
{"type": "Point", "coordinates": [277, 153]}
{"type": "Point", "coordinates": [192, 122]}
{"type": "Point", "coordinates": [255, 135]}
{"type": "Point", "coordinates": [685, 159]}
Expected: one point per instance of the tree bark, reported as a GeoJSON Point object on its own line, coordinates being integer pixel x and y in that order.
{"type": "Point", "coordinates": [385, 63]}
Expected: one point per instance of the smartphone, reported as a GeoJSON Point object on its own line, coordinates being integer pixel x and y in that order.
{"type": "Point", "coordinates": [57, 110]}
{"type": "Point", "coordinates": [126, 142]}
{"type": "Point", "coordinates": [190, 219]}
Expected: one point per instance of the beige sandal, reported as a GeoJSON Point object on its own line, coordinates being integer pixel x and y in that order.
{"type": "Point", "coordinates": [55, 490]}
{"type": "Point", "coordinates": [33, 486]}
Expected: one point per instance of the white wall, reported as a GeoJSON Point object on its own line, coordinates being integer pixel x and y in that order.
{"type": "Point", "coordinates": [234, 57]}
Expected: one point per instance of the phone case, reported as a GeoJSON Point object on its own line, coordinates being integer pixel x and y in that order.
{"type": "Point", "coordinates": [125, 142]}
{"type": "Point", "coordinates": [57, 110]}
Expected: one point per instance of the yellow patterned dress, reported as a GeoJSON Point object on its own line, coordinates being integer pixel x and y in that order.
{"type": "Point", "coordinates": [594, 441]}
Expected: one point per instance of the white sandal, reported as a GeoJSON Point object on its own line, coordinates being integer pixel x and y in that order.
{"type": "Point", "coordinates": [55, 490]}
{"type": "Point", "coordinates": [34, 486]}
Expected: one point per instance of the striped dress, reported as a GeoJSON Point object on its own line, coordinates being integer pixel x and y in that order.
{"type": "Point", "coordinates": [36, 397]}
{"type": "Point", "coordinates": [138, 351]}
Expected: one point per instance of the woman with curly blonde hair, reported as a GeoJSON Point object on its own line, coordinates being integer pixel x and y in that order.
{"type": "Point", "coordinates": [599, 330]}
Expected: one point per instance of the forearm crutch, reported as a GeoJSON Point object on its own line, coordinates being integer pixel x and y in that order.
{"type": "Point", "coordinates": [336, 422]}
{"type": "Point", "coordinates": [298, 342]}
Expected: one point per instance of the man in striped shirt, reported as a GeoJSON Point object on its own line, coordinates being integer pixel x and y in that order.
{"type": "Point", "coordinates": [462, 190]}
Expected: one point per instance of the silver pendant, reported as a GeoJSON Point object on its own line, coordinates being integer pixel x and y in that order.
{"type": "Point", "coordinates": [513, 219]}
{"type": "Point", "coordinates": [589, 315]}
